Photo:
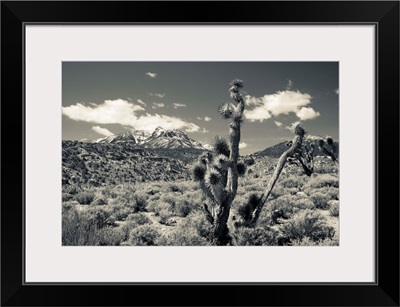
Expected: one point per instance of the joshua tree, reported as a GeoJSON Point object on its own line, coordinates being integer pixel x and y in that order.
{"type": "Point", "coordinates": [218, 171]}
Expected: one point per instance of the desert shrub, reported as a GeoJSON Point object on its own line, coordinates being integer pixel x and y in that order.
{"type": "Point", "coordinates": [84, 198]}
{"type": "Point", "coordinates": [322, 180]}
{"type": "Point", "coordinates": [246, 209]}
{"type": "Point", "coordinates": [110, 236]}
{"type": "Point", "coordinates": [144, 235]}
{"type": "Point", "coordinates": [164, 215]}
{"type": "Point", "coordinates": [291, 203]}
{"type": "Point", "coordinates": [167, 198]}
{"type": "Point", "coordinates": [320, 200]}
{"type": "Point", "coordinates": [256, 236]}
{"type": "Point", "coordinates": [121, 212]}
{"type": "Point", "coordinates": [109, 193]}
{"type": "Point", "coordinates": [183, 209]}
{"type": "Point", "coordinates": [71, 189]}
{"type": "Point", "coordinates": [152, 199]}
{"type": "Point", "coordinates": [334, 241]}
{"type": "Point", "coordinates": [181, 237]}
{"type": "Point", "coordinates": [96, 217]}
{"type": "Point", "coordinates": [277, 191]}
{"type": "Point", "coordinates": [175, 188]}
{"type": "Point", "coordinates": [193, 197]}
{"type": "Point", "coordinates": [66, 197]}
{"type": "Point", "coordinates": [140, 202]}
{"type": "Point", "coordinates": [330, 192]}
{"type": "Point", "coordinates": [291, 182]}
{"type": "Point", "coordinates": [307, 223]}
{"type": "Point", "coordinates": [334, 208]}
{"type": "Point", "coordinates": [196, 221]}
{"type": "Point", "coordinates": [152, 189]}
{"type": "Point", "coordinates": [157, 207]}
{"type": "Point", "coordinates": [70, 226]}
{"type": "Point", "coordinates": [138, 219]}
{"type": "Point", "coordinates": [82, 227]}
{"type": "Point", "coordinates": [100, 201]}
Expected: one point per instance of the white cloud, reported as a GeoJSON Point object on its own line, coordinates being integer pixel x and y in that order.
{"type": "Point", "coordinates": [151, 122]}
{"type": "Point", "coordinates": [102, 131]}
{"type": "Point", "coordinates": [281, 102]}
{"type": "Point", "coordinates": [243, 145]}
{"type": "Point", "coordinates": [141, 102]}
{"type": "Point", "coordinates": [259, 113]}
{"type": "Point", "coordinates": [110, 112]}
{"type": "Point", "coordinates": [307, 113]}
{"type": "Point", "coordinates": [286, 101]}
{"type": "Point", "coordinates": [205, 118]}
{"type": "Point", "coordinates": [289, 85]}
{"type": "Point", "coordinates": [336, 91]}
{"type": "Point", "coordinates": [279, 124]}
{"type": "Point", "coordinates": [179, 105]}
{"type": "Point", "coordinates": [159, 95]}
{"type": "Point", "coordinates": [124, 113]}
{"type": "Point", "coordinates": [151, 74]}
{"type": "Point", "coordinates": [157, 105]}
{"type": "Point", "coordinates": [251, 100]}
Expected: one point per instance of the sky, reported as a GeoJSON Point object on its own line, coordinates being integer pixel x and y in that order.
{"type": "Point", "coordinates": [106, 98]}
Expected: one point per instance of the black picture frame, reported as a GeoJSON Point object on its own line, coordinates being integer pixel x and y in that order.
{"type": "Point", "coordinates": [383, 14]}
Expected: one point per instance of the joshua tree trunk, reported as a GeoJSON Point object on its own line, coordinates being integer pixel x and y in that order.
{"type": "Point", "coordinates": [220, 231]}
{"type": "Point", "coordinates": [294, 149]}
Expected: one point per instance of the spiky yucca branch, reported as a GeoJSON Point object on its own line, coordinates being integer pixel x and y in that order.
{"type": "Point", "coordinates": [329, 148]}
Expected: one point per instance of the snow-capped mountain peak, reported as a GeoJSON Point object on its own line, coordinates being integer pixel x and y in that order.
{"type": "Point", "coordinates": [159, 138]}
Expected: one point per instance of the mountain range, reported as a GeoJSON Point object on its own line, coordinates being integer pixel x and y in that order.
{"type": "Point", "coordinates": [159, 138]}
{"type": "Point", "coordinates": [165, 155]}
{"type": "Point", "coordinates": [277, 150]}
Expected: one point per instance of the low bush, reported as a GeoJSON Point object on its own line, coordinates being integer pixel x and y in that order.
{"type": "Point", "coordinates": [256, 236]}
{"type": "Point", "coordinates": [181, 237]}
{"type": "Point", "coordinates": [334, 241]}
{"type": "Point", "coordinates": [292, 182]}
{"type": "Point", "coordinates": [196, 221]}
{"type": "Point", "coordinates": [82, 227]}
{"type": "Point", "coordinates": [140, 202]}
{"type": "Point", "coordinates": [84, 198]}
{"type": "Point", "coordinates": [320, 200]}
{"type": "Point", "coordinates": [322, 180]}
{"type": "Point", "coordinates": [164, 215]}
{"type": "Point", "coordinates": [290, 204]}
{"type": "Point", "coordinates": [307, 223]}
{"type": "Point", "coordinates": [144, 235]}
{"type": "Point", "coordinates": [71, 189]}
{"type": "Point", "coordinates": [334, 208]}
{"type": "Point", "coordinates": [138, 219]}
{"type": "Point", "coordinates": [66, 197]}
{"type": "Point", "coordinates": [121, 212]}
{"type": "Point", "coordinates": [100, 201]}
{"type": "Point", "coordinates": [111, 236]}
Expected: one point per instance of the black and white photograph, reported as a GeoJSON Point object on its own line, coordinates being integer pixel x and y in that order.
{"type": "Point", "coordinates": [200, 154]}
